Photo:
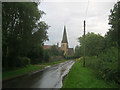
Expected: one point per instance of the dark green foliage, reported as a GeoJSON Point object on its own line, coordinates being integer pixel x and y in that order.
{"type": "Point", "coordinates": [56, 58]}
{"type": "Point", "coordinates": [18, 23]}
{"type": "Point", "coordinates": [109, 64]}
{"type": "Point", "coordinates": [46, 56]}
{"type": "Point", "coordinates": [114, 20]}
{"type": "Point", "coordinates": [53, 54]}
{"type": "Point", "coordinates": [105, 65]}
{"type": "Point", "coordinates": [22, 61]}
{"type": "Point", "coordinates": [70, 56]}
{"type": "Point", "coordinates": [36, 54]}
{"type": "Point", "coordinates": [22, 33]}
{"type": "Point", "coordinates": [40, 34]}
{"type": "Point", "coordinates": [94, 44]}
{"type": "Point", "coordinates": [16, 62]}
{"type": "Point", "coordinates": [78, 52]}
{"type": "Point", "coordinates": [54, 51]}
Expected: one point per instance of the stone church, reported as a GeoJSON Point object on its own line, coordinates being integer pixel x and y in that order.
{"type": "Point", "coordinates": [64, 45]}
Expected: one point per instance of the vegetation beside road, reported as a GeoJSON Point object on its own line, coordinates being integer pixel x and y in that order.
{"type": "Point", "coordinates": [83, 77]}
{"type": "Point", "coordinates": [20, 71]}
{"type": "Point", "coordinates": [23, 34]}
{"type": "Point", "coordinates": [102, 52]}
{"type": "Point", "coordinates": [24, 70]}
{"type": "Point", "coordinates": [23, 37]}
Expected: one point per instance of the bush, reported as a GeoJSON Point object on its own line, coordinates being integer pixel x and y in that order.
{"type": "Point", "coordinates": [109, 64]}
{"type": "Point", "coordinates": [36, 55]}
{"type": "Point", "coordinates": [22, 61]}
{"type": "Point", "coordinates": [105, 65]}
{"type": "Point", "coordinates": [56, 58]}
{"type": "Point", "coordinates": [69, 57]}
{"type": "Point", "coordinates": [46, 56]}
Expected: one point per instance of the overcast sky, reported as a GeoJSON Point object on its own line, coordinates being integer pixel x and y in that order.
{"type": "Point", "coordinates": [72, 13]}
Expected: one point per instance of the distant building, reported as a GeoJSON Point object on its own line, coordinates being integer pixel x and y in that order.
{"type": "Point", "coordinates": [64, 45]}
{"type": "Point", "coordinates": [47, 46]}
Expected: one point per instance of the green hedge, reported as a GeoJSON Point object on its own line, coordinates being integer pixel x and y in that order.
{"type": "Point", "coordinates": [105, 65]}
{"type": "Point", "coordinates": [109, 64]}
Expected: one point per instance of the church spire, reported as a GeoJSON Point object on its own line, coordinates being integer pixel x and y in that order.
{"type": "Point", "coordinates": [64, 39]}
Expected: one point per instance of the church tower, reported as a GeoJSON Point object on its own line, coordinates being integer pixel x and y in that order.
{"type": "Point", "coordinates": [64, 43]}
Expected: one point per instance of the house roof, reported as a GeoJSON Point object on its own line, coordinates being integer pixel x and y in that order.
{"type": "Point", "coordinates": [47, 46]}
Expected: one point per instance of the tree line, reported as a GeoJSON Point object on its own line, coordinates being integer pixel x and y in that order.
{"type": "Point", "coordinates": [23, 34]}
{"type": "Point", "coordinates": [102, 52]}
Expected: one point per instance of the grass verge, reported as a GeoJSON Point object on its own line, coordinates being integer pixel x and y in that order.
{"type": "Point", "coordinates": [82, 77]}
{"type": "Point", "coordinates": [24, 70]}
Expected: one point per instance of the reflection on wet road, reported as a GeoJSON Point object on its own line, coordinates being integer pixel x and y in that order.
{"type": "Point", "coordinates": [49, 78]}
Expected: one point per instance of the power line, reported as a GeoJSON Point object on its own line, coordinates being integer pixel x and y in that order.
{"type": "Point", "coordinates": [86, 10]}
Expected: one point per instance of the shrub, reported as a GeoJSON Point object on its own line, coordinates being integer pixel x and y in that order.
{"type": "Point", "coordinates": [36, 55]}
{"type": "Point", "coordinates": [105, 65]}
{"type": "Point", "coordinates": [109, 64]}
{"type": "Point", "coordinates": [22, 61]}
{"type": "Point", "coordinates": [69, 57]}
{"type": "Point", "coordinates": [46, 56]}
{"type": "Point", "coordinates": [56, 58]}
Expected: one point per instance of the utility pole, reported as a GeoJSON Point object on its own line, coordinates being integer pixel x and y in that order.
{"type": "Point", "coordinates": [84, 46]}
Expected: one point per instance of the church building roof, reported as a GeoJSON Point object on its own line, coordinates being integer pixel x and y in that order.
{"type": "Point", "coordinates": [64, 39]}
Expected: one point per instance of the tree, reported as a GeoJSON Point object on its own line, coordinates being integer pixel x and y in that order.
{"type": "Point", "coordinates": [46, 55]}
{"type": "Point", "coordinates": [22, 29]}
{"type": "Point", "coordinates": [114, 21]}
{"type": "Point", "coordinates": [40, 34]}
{"type": "Point", "coordinates": [54, 51]}
{"type": "Point", "coordinates": [78, 51]}
{"type": "Point", "coordinates": [94, 44]}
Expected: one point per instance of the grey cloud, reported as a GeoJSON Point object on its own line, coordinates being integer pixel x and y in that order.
{"type": "Point", "coordinates": [72, 15]}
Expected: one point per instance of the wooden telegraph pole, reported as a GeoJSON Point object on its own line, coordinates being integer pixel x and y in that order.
{"type": "Point", "coordinates": [84, 46]}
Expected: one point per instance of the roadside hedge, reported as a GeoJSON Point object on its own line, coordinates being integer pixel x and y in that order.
{"type": "Point", "coordinates": [105, 65]}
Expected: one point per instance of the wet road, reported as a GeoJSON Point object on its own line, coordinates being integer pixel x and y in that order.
{"type": "Point", "coordinates": [51, 77]}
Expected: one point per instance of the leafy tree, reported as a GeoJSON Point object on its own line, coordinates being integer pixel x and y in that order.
{"type": "Point", "coordinates": [40, 33]}
{"type": "Point", "coordinates": [54, 51]}
{"type": "Point", "coordinates": [112, 37]}
{"type": "Point", "coordinates": [114, 21]}
{"type": "Point", "coordinates": [36, 54]}
{"type": "Point", "coordinates": [77, 51]}
{"type": "Point", "coordinates": [22, 29]}
{"type": "Point", "coordinates": [94, 44]}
